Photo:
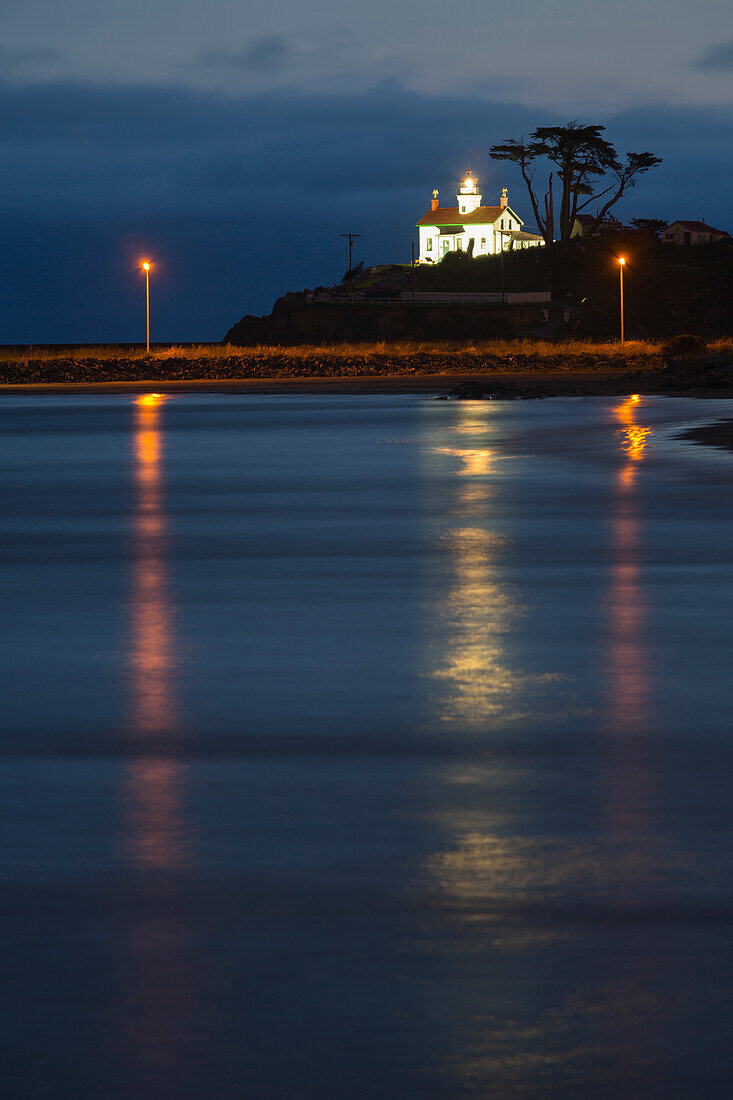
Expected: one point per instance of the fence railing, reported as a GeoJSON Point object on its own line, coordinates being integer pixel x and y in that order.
{"type": "Point", "coordinates": [423, 298]}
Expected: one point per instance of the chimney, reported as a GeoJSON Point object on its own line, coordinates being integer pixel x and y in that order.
{"type": "Point", "coordinates": [504, 199]}
{"type": "Point", "coordinates": [434, 203]}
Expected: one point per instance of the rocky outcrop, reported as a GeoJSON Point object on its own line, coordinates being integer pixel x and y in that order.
{"type": "Point", "coordinates": [338, 319]}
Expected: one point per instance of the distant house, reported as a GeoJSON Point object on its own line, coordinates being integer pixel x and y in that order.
{"type": "Point", "coordinates": [692, 233]}
{"type": "Point", "coordinates": [583, 225]}
{"type": "Point", "coordinates": [471, 227]}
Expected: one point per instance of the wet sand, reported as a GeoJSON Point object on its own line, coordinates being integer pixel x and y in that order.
{"type": "Point", "coordinates": [553, 382]}
{"type": "Point", "coordinates": [506, 384]}
{"type": "Point", "coordinates": [719, 434]}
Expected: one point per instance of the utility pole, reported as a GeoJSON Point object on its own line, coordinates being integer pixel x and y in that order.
{"type": "Point", "coordinates": [352, 237]}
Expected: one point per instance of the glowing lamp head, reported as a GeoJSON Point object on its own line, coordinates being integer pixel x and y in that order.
{"type": "Point", "coordinates": [146, 266]}
{"type": "Point", "coordinates": [622, 260]}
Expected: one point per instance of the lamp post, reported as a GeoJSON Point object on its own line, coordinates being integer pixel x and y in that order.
{"type": "Point", "coordinates": [621, 265]}
{"type": "Point", "coordinates": [146, 269]}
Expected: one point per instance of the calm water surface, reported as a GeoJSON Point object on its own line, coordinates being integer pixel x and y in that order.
{"type": "Point", "coordinates": [372, 747]}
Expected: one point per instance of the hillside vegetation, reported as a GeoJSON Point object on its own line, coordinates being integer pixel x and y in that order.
{"type": "Point", "coordinates": [668, 290]}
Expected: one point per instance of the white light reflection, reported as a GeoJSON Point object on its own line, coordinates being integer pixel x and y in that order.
{"type": "Point", "coordinates": [479, 607]}
{"type": "Point", "coordinates": [511, 893]}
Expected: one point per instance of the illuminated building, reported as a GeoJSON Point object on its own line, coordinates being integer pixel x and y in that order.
{"type": "Point", "coordinates": [471, 227]}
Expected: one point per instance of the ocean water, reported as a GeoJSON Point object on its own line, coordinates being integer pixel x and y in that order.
{"type": "Point", "coordinates": [369, 747]}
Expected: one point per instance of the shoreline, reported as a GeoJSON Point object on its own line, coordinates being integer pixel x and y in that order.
{"type": "Point", "coordinates": [719, 434]}
{"type": "Point", "coordinates": [539, 383]}
{"type": "Point", "coordinates": [592, 381]}
{"type": "Point", "coordinates": [501, 369]}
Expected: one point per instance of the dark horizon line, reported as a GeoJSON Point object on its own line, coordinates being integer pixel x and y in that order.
{"type": "Point", "coordinates": [108, 344]}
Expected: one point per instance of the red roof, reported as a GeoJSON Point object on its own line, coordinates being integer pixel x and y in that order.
{"type": "Point", "coordinates": [700, 227]}
{"type": "Point", "coordinates": [451, 215]}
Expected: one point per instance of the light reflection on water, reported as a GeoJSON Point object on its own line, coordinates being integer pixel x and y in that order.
{"type": "Point", "coordinates": [157, 998]}
{"type": "Point", "coordinates": [479, 607]}
{"type": "Point", "coordinates": [152, 658]}
{"type": "Point", "coordinates": [434, 799]}
{"type": "Point", "coordinates": [634, 435]}
{"type": "Point", "coordinates": [154, 790]}
{"type": "Point", "coordinates": [628, 654]}
{"type": "Point", "coordinates": [502, 889]}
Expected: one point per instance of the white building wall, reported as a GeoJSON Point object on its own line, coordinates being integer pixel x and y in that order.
{"type": "Point", "coordinates": [425, 253]}
{"type": "Point", "coordinates": [487, 239]}
{"type": "Point", "coordinates": [467, 202]}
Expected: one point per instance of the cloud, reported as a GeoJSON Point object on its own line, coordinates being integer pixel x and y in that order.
{"type": "Point", "coordinates": [262, 55]}
{"type": "Point", "coordinates": [19, 58]}
{"type": "Point", "coordinates": [381, 126]}
{"type": "Point", "coordinates": [706, 129]}
{"type": "Point", "coordinates": [314, 63]}
{"type": "Point", "coordinates": [718, 59]}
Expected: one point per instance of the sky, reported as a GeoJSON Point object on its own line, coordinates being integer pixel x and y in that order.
{"type": "Point", "coordinates": [233, 143]}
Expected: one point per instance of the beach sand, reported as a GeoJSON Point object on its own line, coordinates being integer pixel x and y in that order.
{"type": "Point", "coordinates": [719, 434]}
{"type": "Point", "coordinates": [553, 383]}
{"type": "Point", "coordinates": [494, 384]}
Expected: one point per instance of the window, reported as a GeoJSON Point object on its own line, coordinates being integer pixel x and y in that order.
{"type": "Point", "coordinates": [483, 242]}
{"type": "Point", "coordinates": [459, 244]}
{"type": "Point", "coordinates": [429, 245]}
{"type": "Point", "coordinates": [669, 236]}
{"type": "Point", "coordinates": [501, 224]}
{"type": "Point", "coordinates": [463, 210]}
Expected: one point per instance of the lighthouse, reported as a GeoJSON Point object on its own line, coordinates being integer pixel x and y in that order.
{"type": "Point", "coordinates": [470, 227]}
{"type": "Point", "coordinates": [468, 197]}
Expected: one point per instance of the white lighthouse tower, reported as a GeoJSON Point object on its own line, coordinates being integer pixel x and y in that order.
{"type": "Point", "coordinates": [469, 197]}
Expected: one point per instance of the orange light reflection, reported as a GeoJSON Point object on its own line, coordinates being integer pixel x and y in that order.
{"type": "Point", "coordinates": [156, 1008]}
{"type": "Point", "coordinates": [155, 829]}
{"type": "Point", "coordinates": [150, 400]}
{"type": "Point", "coordinates": [628, 655]}
{"type": "Point", "coordinates": [634, 437]}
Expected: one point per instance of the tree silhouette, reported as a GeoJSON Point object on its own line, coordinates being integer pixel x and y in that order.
{"type": "Point", "coordinates": [654, 226]}
{"type": "Point", "coordinates": [583, 162]}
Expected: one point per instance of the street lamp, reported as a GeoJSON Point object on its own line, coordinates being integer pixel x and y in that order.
{"type": "Point", "coordinates": [146, 269]}
{"type": "Point", "coordinates": [621, 265]}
